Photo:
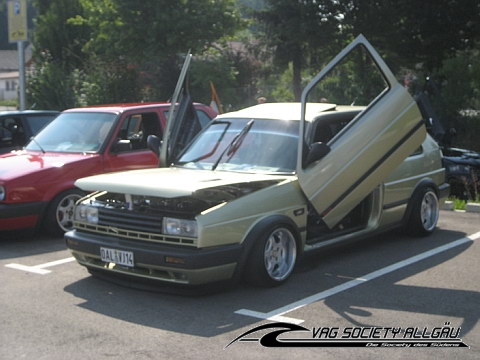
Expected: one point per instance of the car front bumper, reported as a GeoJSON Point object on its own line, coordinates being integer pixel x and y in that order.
{"type": "Point", "coordinates": [20, 216]}
{"type": "Point", "coordinates": [156, 262]}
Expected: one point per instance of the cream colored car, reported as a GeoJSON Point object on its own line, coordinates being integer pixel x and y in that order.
{"type": "Point", "coordinates": [259, 187]}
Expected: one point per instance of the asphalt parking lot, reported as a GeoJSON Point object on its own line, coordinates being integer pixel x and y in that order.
{"type": "Point", "coordinates": [53, 309]}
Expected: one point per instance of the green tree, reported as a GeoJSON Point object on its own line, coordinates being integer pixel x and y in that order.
{"type": "Point", "coordinates": [150, 35]}
{"type": "Point", "coordinates": [415, 32]}
{"type": "Point", "coordinates": [122, 50]}
{"type": "Point", "coordinates": [57, 55]}
{"type": "Point", "coordinates": [299, 32]}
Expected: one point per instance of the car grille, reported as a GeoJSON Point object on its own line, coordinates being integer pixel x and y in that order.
{"type": "Point", "coordinates": [132, 225]}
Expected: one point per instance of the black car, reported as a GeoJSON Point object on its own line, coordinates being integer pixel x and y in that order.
{"type": "Point", "coordinates": [462, 169]}
{"type": "Point", "coordinates": [17, 127]}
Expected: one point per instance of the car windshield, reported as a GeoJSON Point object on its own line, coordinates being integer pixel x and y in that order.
{"type": "Point", "coordinates": [244, 145]}
{"type": "Point", "coordinates": [74, 132]}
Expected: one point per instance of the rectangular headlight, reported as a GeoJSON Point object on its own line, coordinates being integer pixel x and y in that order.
{"type": "Point", "coordinates": [85, 213]}
{"type": "Point", "coordinates": [179, 227]}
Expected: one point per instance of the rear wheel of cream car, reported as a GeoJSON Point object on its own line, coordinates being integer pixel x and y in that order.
{"type": "Point", "coordinates": [273, 257]}
{"type": "Point", "coordinates": [424, 212]}
{"type": "Point", "coordinates": [59, 216]}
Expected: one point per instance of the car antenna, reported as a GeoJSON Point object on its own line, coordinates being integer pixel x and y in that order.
{"type": "Point", "coordinates": [37, 143]}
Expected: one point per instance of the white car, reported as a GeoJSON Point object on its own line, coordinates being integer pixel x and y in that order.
{"type": "Point", "coordinates": [259, 187]}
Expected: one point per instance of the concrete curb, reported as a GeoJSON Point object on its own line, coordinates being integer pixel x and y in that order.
{"type": "Point", "coordinates": [470, 207]}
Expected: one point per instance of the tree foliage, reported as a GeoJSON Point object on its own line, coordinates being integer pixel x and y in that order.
{"type": "Point", "coordinates": [124, 50]}
{"type": "Point", "coordinates": [96, 51]}
{"type": "Point", "coordinates": [416, 32]}
{"type": "Point", "coordinates": [299, 32]}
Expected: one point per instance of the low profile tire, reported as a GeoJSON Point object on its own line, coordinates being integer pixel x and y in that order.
{"type": "Point", "coordinates": [424, 215]}
{"type": "Point", "coordinates": [60, 213]}
{"type": "Point", "coordinates": [272, 258]}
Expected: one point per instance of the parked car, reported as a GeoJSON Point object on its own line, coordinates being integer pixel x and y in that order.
{"type": "Point", "coordinates": [463, 172]}
{"type": "Point", "coordinates": [462, 166]}
{"type": "Point", "coordinates": [37, 183]}
{"type": "Point", "coordinates": [17, 127]}
{"type": "Point", "coordinates": [259, 187]}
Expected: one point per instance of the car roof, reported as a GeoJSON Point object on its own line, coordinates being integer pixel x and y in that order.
{"type": "Point", "coordinates": [118, 108]}
{"type": "Point", "coordinates": [27, 112]}
{"type": "Point", "coordinates": [287, 111]}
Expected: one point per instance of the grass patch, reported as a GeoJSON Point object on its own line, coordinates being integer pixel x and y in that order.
{"type": "Point", "coordinates": [459, 204]}
{"type": "Point", "coordinates": [10, 103]}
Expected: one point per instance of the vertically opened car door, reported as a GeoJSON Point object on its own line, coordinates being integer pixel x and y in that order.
{"type": "Point", "coordinates": [183, 123]}
{"type": "Point", "coordinates": [365, 148]}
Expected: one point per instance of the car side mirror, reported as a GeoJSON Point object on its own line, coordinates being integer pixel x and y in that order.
{"type": "Point", "coordinates": [154, 143]}
{"type": "Point", "coordinates": [121, 146]}
{"type": "Point", "coordinates": [317, 151]}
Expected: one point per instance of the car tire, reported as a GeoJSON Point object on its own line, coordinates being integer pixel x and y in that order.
{"type": "Point", "coordinates": [60, 212]}
{"type": "Point", "coordinates": [424, 213]}
{"type": "Point", "coordinates": [273, 257]}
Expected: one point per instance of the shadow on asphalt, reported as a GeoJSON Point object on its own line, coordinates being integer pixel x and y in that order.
{"type": "Point", "coordinates": [213, 314]}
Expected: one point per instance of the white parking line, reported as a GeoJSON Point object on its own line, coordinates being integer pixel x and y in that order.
{"type": "Point", "coordinates": [278, 314]}
{"type": "Point", "coordinates": [40, 269]}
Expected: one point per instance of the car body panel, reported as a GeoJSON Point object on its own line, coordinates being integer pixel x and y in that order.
{"type": "Point", "coordinates": [175, 181]}
{"type": "Point", "coordinates": [183, 123]}
{"type": "Point", "coordinates": [376, 139]}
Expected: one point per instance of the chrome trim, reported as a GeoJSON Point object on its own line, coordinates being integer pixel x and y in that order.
{"type": "Point", "coordinates": [135, 235]}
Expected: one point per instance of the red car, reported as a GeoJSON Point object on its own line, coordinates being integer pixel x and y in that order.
{"type": "Point", "coordinates": [37, 183]}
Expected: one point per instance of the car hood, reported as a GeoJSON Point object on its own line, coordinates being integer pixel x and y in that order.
{"type": "Point", "coordinates": [177, 182]}
{"type": "Point", "coordinates": [20, 163]}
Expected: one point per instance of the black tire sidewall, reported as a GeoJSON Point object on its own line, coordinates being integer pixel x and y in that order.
{"type": "Point", "coordinates": [51, 225]}
{"type": "Point", "coordinates": [255, 273]}
{"type": "Point", "coordinates": [414, 226]}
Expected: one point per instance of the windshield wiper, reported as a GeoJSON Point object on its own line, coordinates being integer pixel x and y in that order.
{"type": "Point", "coordinates": [232, 148]}
{"type": "Point", "coordinates": [37, 143]}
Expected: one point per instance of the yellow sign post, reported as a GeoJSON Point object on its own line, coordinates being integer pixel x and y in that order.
{"type": "Point", "coordinates": [18, 32]}
{"type": "Point", "coordinates": [17, 21]}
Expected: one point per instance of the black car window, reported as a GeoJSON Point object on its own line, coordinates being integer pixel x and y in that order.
{"type": "Point", "coordinates": [38, 122]}
{"type": "Point", "coordinates": [12, 133]}
{"type": "Point", "coordinates": [137, 127]}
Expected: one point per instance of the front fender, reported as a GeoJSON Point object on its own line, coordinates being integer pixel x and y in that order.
{"type": "Point", "coordinates": [257, 232]}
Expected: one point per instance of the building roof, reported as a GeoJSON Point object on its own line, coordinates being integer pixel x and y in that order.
{"type": "Point", "coordinates": [9, 59]}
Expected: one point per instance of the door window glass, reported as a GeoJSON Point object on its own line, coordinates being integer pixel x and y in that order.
{"type": "Point", "coordinates": [137, 127]}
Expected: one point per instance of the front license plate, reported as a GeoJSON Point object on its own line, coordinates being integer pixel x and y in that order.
{"type": "Point", "coordinates": [117, 256]}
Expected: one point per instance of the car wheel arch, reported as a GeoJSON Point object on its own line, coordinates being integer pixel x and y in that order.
{"type": "Point", "coordinates": [258, 230]}
{"type": "Point", "coordinates": [420, 188]}
{"type": "Point", "coordinates": [51, 207]}
{"type": "Point", "coordinates": [428, 182]}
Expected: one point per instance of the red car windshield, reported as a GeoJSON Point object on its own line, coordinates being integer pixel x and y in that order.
{"type": "Point", "coordinates": [74, 132]}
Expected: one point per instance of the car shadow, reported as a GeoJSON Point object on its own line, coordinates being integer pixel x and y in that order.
{"type": "Point", "coordinates": [389, 294]}
{"type": "Point", "coordinates": [214, 313]}
{"type": "Point", "coordinates": [21, 244]}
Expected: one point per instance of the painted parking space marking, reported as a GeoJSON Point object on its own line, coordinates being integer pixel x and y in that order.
{"type": "Point", "coordinates": [42, 268]}
{"type": "Point", "coordinates": [279, 314]}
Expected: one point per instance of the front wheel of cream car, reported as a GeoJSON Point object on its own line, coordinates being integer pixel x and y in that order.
{"type": "Point", "coordinates": [273, 257]}
{"type": "Point", "coordinates": [424, 213]}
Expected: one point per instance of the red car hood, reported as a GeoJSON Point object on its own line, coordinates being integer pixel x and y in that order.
{"type": "Point", "coordinates": [20, 163]}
